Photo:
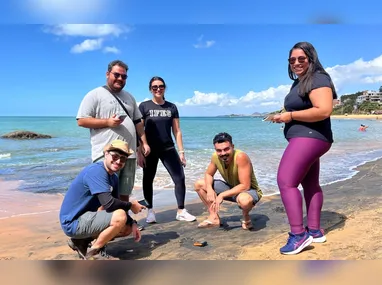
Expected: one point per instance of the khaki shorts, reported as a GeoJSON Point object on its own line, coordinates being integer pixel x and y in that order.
{"type": "Point", "coordinates": [221, 186]}
{"type": "Point", "coordinates": [91, 224]}
{"type": "Point", "coordinates": [126, 176]}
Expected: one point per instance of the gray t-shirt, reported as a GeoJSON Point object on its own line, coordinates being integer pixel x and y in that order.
{"type": "Point", "coordinates": [293, 102]}
{"type": "Point", "coordinates": [100, 103]}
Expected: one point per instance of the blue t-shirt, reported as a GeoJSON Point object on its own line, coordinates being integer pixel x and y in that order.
{"type": "Point", "coordinates": [81, 195]}
{"type": "Point", "coordinates": [293, 102]}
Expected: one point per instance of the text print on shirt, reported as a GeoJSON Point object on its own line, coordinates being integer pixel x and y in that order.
{"type": "Point", "coordinates": [160, 113]}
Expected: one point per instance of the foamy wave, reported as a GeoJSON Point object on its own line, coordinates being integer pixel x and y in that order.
{"type": "Point", "coordinates": [352, 170]}
{"type": "Point", "coordinates": [28, 214]}
{"type": "Point", "coordinates": [5, 155]}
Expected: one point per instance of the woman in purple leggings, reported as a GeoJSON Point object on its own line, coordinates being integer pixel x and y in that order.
{"type": "Point", "coordinates": [308, 131]}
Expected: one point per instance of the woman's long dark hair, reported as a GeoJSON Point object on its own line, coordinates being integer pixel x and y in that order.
{"type": "Point", "coordinates": [157, 78]}
{"type": "Point", "coordinates": [314, 66]}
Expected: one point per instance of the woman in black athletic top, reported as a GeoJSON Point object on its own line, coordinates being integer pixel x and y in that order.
{"type": "Point", "coordinates": [160, 119]}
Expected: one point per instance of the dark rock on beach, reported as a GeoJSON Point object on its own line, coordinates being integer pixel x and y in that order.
{"type": "Point", "coordinates": [25, 135]}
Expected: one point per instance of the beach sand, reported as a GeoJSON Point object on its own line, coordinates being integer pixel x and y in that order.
{"type": "Point", "coordinates": [359, 117]}
{"type": "Point", "coordinates": [351, 218]}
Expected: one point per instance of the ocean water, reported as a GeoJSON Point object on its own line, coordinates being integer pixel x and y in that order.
{"type": "Point", "coordinates": [49, 165]}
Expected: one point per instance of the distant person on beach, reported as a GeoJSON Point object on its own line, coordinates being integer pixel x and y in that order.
{"type": "Point", "coordinates": [308, 131]}
{"type": "Point", "coordinates": [91, 208]}
{"type": "Point", "coordinates": [363, 128]}
{"type": "Point", "coordinates": [239, 185]}
{"type": "Point", "coordinates": [112, 113]}
{"type": "Point", "coordinates": [161, 117]}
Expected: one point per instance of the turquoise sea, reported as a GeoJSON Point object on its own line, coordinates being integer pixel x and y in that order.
{"type": "Point", "coordinates": [49, 165]}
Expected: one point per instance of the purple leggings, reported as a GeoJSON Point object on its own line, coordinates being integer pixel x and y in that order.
{"type": "Point", "coordinates": [300, 164]}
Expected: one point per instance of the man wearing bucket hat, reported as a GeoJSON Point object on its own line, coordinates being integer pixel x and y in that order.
{"type": "Point", "coordinates": [91, 208]}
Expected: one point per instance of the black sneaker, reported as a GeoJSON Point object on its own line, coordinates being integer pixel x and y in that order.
{"type": "Point", "coordinates": [80, 245]}
{"type": "Point", "coordinates": [98, 254]}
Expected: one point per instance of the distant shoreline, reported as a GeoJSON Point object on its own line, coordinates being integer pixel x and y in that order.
{"type": "Point", "coordinates": [361, 117]}
{"type": "Point", "coordinates": [376, 117]}
{"type": "Point", "coordinates": [215, 116]}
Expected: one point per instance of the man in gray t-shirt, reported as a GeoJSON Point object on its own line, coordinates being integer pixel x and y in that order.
{"type": "Point", "coordinates": [107, 120]}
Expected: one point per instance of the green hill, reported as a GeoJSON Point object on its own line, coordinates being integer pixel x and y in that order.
{"type": "Point", "coordinates": [348, 102]}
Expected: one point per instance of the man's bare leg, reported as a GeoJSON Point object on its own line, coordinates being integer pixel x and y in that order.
{"type": "Point", "coordinates": [245, 201]}
{"type": "Point", "coordinates": [202, 192]}
{"type": "Point", "coordinates": [117, 223]}
{"type": "Point", "coordinates": [126, 231]}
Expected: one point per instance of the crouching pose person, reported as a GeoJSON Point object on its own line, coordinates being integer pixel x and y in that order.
{"type": "Point", "coordinates": [239, 186]}
{"type": "Point", "coordinates": [92, 209]}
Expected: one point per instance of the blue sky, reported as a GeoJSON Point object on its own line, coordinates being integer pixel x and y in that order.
{"type": "Point", "coordinates": [210, 69]}
{"type": "Point", "coordinates": [190, 12]}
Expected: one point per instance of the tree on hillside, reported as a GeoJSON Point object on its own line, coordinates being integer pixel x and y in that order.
{"type": "Point", "coordinates": [380, 89]}
{"type": "Point", "coordinates": [350, 99]}
{"type": "Point", "coordinates": [368, 106]}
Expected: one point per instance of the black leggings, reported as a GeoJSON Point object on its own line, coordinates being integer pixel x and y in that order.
{"type": "Point", "coordinates": [172, 163]}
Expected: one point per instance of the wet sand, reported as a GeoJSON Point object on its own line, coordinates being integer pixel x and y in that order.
{"type": "Point", "coordinates": [351, 218]}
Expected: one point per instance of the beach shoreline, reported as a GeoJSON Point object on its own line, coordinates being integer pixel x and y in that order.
{"type": "Point", "coordinates": [350, 207]}
{"type": "Point", "coordinates": [357, 117]}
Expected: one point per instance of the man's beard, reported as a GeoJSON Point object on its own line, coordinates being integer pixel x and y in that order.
{"type": "Point", "coordinates": [117, 89]}
{"type": "Point", "coordinates": [224, 159]}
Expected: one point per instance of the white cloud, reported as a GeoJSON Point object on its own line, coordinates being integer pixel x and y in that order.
{"type": "Point", "coordinates": [200, 99]}
{"type": "Point", "coordinates": [111, 50]}
{"type": "Point", "coordinates": [100, 33]}
{"type": "Point", "coordinates": [146, 99]}
{"type": "Point", "coordinates": [87, 45]}
{"type": "Point", "coordinates": [204, 44]}
{"type": "Point", "coordinates": [357, 72]}
{"type": "Point", "coordinates": [271, 103]}
{"type": "Point", "coordinates": [372, 79]}
{"type": "Point", "coordinates": [271, 96]}
{"type": "Point", "coordinates": [271, 93]}
{"type": "Point", "coordinates": [87, 30]}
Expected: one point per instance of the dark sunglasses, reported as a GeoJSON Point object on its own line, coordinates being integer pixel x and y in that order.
{"type": "Point", "coordinates": [116, 156]}
{"type": "Point", "coordinates": [301, 59]}
{"type": "Point", "coordinates": [155, 87]}
{"type": "Point", "coordinates": [117, 75]}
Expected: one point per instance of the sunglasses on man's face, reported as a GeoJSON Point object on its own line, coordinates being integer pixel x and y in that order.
{"type": "Point", "coordinates": [156, 87]}
{"type": "Point", "coordinates": [117, 75]}
{"type": "Point", "coordinates": [300, 59]}
{"type": "Point", "coordinates": [116, 157]}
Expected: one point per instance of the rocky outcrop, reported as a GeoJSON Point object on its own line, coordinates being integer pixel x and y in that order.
{"type": "Point", "coordinates": [25, 135]}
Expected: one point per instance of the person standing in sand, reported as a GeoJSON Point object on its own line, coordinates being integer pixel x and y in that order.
{"type": "Point", "coordinates": [91, 208]}
{"type": "Point", "coordinates": [112, 113]}
{"type": "Point", "coordinates": [160, 118]}
{"type": "Point", "coordinates": [240, 183]}
{"type": "Point", "coordinates": [308, 105]}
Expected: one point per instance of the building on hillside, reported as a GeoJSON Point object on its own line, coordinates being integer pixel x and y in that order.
{"type": "Point", "coordinates": [369, 96]}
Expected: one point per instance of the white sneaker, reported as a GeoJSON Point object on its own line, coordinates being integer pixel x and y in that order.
{"type": "Point", "coordinates": [150, 216]}
{"type": "Point", "coordinates": [185, 216]}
